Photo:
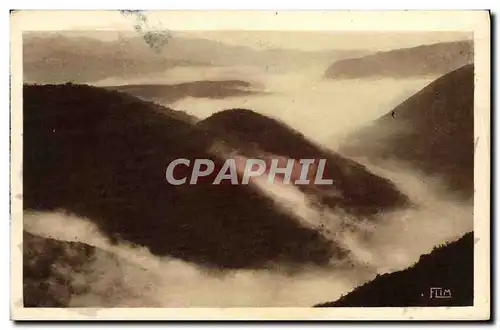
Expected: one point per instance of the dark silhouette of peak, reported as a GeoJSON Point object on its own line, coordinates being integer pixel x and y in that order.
{"type": "Point", "coordinates": [103, 155]}
{"type": "Point", "coordinates": [253, 127]}
{"type": "Point", "coordinates": [424, 60]}
{"type": "Point", "coordinates": [361, 191]}
{"type": "Point", "coordinates": [433, 131]}
{"type": "Point", "coordinates": [449, 267]}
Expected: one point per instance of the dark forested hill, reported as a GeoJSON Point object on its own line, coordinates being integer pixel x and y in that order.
{"type": "Point", "coordinates": [49, 267]}
{"type": "Point", "coordinates": [433, 131]}
{"type": "Point", "coordinates": [103, 155]}
{"type": "Point", "coordinates": [361, 192]}
{"type": "Point", "coordinates": [449, 267]}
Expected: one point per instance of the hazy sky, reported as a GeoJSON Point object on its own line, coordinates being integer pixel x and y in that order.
{"type": "Point", "coordinates": [328, 40]}
{"type": "Point", "coordinates": [258, 34]}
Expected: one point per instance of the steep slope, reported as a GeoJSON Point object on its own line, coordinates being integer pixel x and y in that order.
{"type": "Point", "coordinates": [449, 267]}
{"type": "Point", "coordinates": [103, 155]}
{"type": "Point", "coordinates": [361, 192]}
{"type": "Point", "coordinates": [423, 60]}
{"type": "Point", "coordinates": [433, 131]}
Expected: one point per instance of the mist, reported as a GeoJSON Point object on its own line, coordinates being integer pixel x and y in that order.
{"type": "Point", "coordinates": [321, 109]}
{"type": "Point", "coordinates": [318, 107]}
{"type": "Point", "coordinates": [392, 242]}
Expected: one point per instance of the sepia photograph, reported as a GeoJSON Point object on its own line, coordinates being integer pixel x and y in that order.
{"type": "Point", "coordinates": [168, 162]}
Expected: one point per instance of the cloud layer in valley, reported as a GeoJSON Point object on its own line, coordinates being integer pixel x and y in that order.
{"type": "Point", "coordinates": [141, 279]}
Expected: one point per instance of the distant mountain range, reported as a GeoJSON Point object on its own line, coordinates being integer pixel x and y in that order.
{"type": "Point", "coordinates": [433, 131]}
{"type": "Point", "coordinates": [167, 94]}
{"type": "Point", "coordinates": [59, 57]}
{"type": "Point", "coordinates": [449, 267]}
{"type": "Point", "coordinates": [425, 60]}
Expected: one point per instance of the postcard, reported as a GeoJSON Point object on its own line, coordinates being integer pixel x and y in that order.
{"type": "Point", "coordinates": [250, 165]}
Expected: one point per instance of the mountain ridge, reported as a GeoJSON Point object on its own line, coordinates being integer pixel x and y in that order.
{"type": "Point", "coordinates": [103, 154]}
{"type": "Point", "coordinates": [432, 131]}
{"type": "Point", "coordinates": [170, 93]}
{"type": "Point", "coordinates": [425, 60]}
{"type": "Point", "coordinates": [58, 57]}
{"type": "Point", "coordinates": [448, 267]}
{"type": "Point", "coordinates": [363, 192]}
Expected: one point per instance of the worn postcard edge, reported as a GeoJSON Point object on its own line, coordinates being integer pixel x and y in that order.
{"type": "Point", "coordinates": [476, 21]}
